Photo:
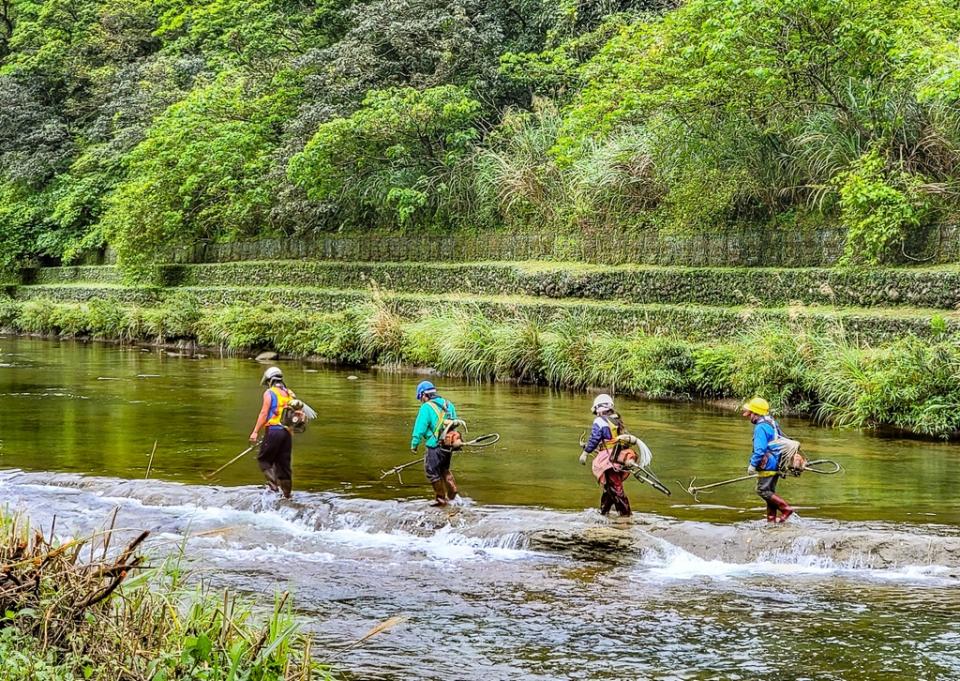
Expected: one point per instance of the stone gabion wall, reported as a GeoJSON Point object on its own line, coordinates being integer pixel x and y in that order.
{"type": "Point", "coordinates": [730, 247]}
{"type": "Point", "coordinates": [769, 287]}
{"type": "Point", "coordinates": [733, 248]}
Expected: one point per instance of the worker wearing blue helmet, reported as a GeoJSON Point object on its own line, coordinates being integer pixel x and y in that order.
{"type": "Point", "coordinates": [435, 412]}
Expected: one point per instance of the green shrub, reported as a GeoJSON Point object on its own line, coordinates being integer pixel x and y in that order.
{"type": "Point", "coordinates": [878, 207]}
{"type": "Point", "coordinates": [713, 370]}
{"type": "Point", "coordinates": [773, 361]}
{"type": "Point", "coordinates": [660, 367]}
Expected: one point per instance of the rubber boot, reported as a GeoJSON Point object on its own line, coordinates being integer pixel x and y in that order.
{"type": "Point", "coordinates": [440, 492]}
{"type": "Point", "coordinates": [271, 479]}
{"type": "Point", "coordinates": [451, 485]}
{"type": "Point", "coordinates": [622, 504]}
{"type": "Point", "coordinates": [785, 509]}
{"type": "Point", "coordinates": [771, 512]}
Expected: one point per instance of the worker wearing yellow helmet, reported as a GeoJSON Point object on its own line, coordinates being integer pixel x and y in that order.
{"type": "Point", "coordinates": [765, 460]}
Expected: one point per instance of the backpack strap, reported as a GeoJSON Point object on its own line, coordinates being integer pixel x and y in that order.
{"type": "Point", "coordinates": [441, 414]}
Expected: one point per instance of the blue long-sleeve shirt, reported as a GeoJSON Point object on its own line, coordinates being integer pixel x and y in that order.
{"type": "Point", "coordinates": [764, 432]}
{"type": "Point", "coordinates": [429, 424]}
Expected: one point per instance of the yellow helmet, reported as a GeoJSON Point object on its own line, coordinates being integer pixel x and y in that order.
{"type": "Point", "coordinates": [758, 406]}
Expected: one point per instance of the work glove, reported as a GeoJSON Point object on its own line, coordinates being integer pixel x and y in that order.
{"type": "Point", "coordinates": [751, 470]}
{"type": "Point", "coordinates": [413, 450]}
{"type": "Point", "coordinates": [583, 458]}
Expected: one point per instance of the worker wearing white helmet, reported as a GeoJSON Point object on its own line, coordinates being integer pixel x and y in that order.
{"type": "Point", "coordinates": [612, 463]}
{"type": "Point", "coordinates": [279, 410]}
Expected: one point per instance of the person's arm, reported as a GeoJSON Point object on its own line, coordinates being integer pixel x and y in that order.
{"type": "Point", "coordinates": [452, 409]}
{"type": "Point", "coordinates": [421, 428]}
{"type": "Point", "coordinates": [597, 435]}
{"type": "Point", "coordinates": [760, 443]}
{"type": "Point", "coordinates": [262, 418]}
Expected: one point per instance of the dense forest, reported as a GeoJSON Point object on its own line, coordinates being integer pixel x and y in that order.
{"type": "Point", "coordinates": [148, 124]}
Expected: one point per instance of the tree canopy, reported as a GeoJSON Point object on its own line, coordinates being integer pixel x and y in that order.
{"type": "Point", "coordinates": [151, 125]}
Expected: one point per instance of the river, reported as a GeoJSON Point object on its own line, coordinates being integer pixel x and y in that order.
{"type": "Point", "coordinates": [525, 580]}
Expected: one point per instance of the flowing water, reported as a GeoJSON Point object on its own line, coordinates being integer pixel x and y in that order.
{"type": "Point", "coordinates": [525, 580]}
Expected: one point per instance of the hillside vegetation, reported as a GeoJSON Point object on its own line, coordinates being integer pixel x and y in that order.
{"type": "Point", "coordinates": [152, 124]}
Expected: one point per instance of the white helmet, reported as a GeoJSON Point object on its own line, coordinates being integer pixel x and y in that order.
{"type": "Point", "coordinates": [602, 401]}
{"type": "Point", "coordinates": [270, 375]}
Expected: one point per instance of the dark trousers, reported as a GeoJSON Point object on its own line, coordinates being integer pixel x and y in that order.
{"type": "Point", "coordinates": [436, 463]}
{"type": "Point", "coordinates": [274, 458]}
{"type": "Point", "coordinates": [766, 488]}
{"type": "Point", "coordinates": [613, 493]}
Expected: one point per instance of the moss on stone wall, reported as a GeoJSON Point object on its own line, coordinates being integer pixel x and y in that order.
{"type": "Point", "coordinates": [764, 287]}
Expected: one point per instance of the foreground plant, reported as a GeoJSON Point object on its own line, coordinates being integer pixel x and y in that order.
{"type": "Point", "coordinates": [79, 610]}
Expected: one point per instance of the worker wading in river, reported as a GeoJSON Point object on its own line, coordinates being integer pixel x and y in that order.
{"type": "Point", "coordinates": [279, 416]}
{"type": "Point", "coordinates": [765, 460]}
{"type": "Point", "coordinates": [429, 428]}
{"type": "Point", "coordinates": [611, 466]}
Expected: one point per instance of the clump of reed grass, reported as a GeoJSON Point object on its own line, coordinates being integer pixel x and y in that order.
{"type": "Point", "coordinates": [912, 384]}
{"type": "Point", "coordinates": [76, 610]}
{"type": "Point", "coordinates": [383, 333]}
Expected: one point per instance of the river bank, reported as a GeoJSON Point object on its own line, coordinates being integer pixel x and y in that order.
{"type": "Point", "coordinates": [908, 384]}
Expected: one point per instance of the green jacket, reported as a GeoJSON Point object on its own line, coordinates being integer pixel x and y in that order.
{"type": "Point", "coordinates": [429, 424]}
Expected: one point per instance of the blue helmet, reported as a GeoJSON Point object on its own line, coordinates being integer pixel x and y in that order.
{"type": "Point", "coordinates": [425, 387]}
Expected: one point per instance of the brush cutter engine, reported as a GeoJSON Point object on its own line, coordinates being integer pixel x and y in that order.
{"type": "Point", "coordinates": [792, 461]}
{"type": "Point", "coordinates": [294, 416]}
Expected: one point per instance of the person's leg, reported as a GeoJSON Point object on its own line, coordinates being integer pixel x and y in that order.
{"type": "Point", "coordinates": [619, 495]}
{"type": "Point", "coordinates": [606, 500]}
{"type": "Point", "coordinates": [431, 467]}
{"type": "Point", "coordinates": [779, 502]}
{"type": "Point", "coordinates": [449, 481]}
{"type": "Point", "coordinates": [771, 512]}
{"type": "Point", "coordinates": [283, 465]}
{"type": "Point", "coordinates": [266, 457]}
{"type": "Point", "coordinates": [765, 489]}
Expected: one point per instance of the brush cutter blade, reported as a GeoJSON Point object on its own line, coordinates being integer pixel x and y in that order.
{"type": "Point", "coordinates": [646, 476]}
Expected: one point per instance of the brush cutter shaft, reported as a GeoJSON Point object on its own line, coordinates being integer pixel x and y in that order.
{"type": "Point", "coordinates": [246, 451]}
{"type": "Point", "coordinates": [723, 482]}
{"type": "Point", "coordinates": [647, 476]}
{"type": "Point", "coordinates": [482, 441]}
{"type": "Point", "coordinates": [397, 469]}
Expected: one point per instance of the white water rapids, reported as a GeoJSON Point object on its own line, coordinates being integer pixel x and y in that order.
{"type": "Point", "coordinates": [501, 592]}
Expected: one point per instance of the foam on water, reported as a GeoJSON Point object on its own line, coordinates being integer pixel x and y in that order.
{"type": "Point", "coordinates": [315, 526]}
{"type": "Point", "coordinates": [290, 522]}
{"type": "Point", "coordinates": [670, 562]}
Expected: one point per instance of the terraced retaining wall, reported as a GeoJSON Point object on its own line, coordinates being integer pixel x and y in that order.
{"type": "Point", "coordinates": [686, 321]}
{"type": "Point", "coordinates": [765, 287]}
{"type": "Point", "coordinates": [787, 247]}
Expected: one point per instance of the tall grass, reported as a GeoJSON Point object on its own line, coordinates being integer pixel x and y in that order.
{"type": "Point", "coordinates": [913, 384]}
